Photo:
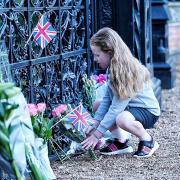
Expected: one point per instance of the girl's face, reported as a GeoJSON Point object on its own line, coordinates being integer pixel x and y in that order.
{"type": "Point", "coordinates": [102, 58]}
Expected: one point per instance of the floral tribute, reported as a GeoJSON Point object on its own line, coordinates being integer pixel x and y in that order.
{"type": "Point", "coordinates": [41, 123]}
{"type": "Point", "coordinates": [69, 122]}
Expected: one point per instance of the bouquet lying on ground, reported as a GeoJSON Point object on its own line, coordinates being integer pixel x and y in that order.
{"type": "Point", "coordinates": [72, 122]}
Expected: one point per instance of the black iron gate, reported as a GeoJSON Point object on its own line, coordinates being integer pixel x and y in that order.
{"type": "Point", "coordinates": [51, 75]}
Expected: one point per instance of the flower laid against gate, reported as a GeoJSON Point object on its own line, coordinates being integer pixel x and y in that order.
{"type": "Point", "coordinates": [42, 128]}
{"type": "Point", "coordinates": [40, 122]}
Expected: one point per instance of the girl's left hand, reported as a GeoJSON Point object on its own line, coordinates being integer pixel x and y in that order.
{"type": "Point", "coordinates": [90, 142]}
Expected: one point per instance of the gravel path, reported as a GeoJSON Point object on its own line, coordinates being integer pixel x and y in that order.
{"type": "Point", "coordinates": [164, 164]}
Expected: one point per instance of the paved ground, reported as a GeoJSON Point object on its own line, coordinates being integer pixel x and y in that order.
{"type": "Point", "coordinates": [164, 164]}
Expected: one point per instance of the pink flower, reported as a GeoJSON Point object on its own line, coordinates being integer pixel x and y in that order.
{"type": "Point", "coordinates": [102, 78]}
{"type": "Point", "coordinates": [32, 109]}
{"type": "Point", "coordinates": [95, 77]}
{"type": "Point", "coordinates": [99, 79]}
{"type": "Point", "coordinates": [56, 112]}
{"type": "Point", "coordinates": [41, 107]}
{"type": "Point", "coordinates": [62, 108]}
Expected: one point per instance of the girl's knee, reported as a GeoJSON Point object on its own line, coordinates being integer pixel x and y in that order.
{"type": "Point", "coordinates": [120, 120]}
{"type": "Point", "coordinates": [123, 118]}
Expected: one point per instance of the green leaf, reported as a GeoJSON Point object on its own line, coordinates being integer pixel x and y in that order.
{"type": "Point", "coordinates": [50, 124]}
{"type": "Point", "coordinates": [5, 152]}
{"type": "Point", "coordinates": [36, 172]}
{"type": "Point", "coordinates": [1, 125]}
{"type": "Point", "coordinates": [9, 108]}
{"type": "Point", "coordinates": [2, 111]}
{"type": "Point", "coordinates": [3, 137]}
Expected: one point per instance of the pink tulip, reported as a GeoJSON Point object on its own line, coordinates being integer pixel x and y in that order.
{"type": "Point", "coordinates": [32, 109]}
{"type": "Point", "coordinates": [41, 107]}
{"type": "Point", "coordinates": [62, 108]}
{"type": "Point", "coordinates": [55, 112]}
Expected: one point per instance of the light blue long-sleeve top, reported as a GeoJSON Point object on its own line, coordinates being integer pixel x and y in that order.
{"type": "Point", "coordinates": [112, 105]}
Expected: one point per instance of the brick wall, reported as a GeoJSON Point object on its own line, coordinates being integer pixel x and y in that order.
{"type": "Point", "coordinates": [174, 27]}
{"type": "Point", "coordinates": [174, 37]}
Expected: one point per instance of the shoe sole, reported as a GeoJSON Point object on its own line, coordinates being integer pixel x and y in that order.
{"type": "Point", "coordinates": [122, 151]}
{"type": "Point", "coordinates": [156, 146]}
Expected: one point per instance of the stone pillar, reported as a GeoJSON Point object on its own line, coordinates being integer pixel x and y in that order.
{"type": "Point", "coordinates": [163, 64]}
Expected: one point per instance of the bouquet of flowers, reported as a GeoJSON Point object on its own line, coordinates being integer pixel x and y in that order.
{"type": "Point", "coordinates": [62, 115]}
{"type": "Point", "coordinates": [43, 132]}
{"type": "Point", "coordinates": [41, 123]}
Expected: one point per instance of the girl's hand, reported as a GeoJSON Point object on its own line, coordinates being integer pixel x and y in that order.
{"type": "Point", "coordinates": [90, 142]}
{"type": "Point", "coordinates": [89, 130]}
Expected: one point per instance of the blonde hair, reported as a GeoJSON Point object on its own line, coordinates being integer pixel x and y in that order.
{"type": "Point", "coordinates": [127, 74]}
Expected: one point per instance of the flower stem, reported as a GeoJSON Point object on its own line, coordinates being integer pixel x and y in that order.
{"type": "Point", "coordinates": [16, 170]}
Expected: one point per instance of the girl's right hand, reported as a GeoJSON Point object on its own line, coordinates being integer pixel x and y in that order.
{"type": "Point", "coordinates": [89, 130]}
{"type": "Point", "coordinates": [92, 128]}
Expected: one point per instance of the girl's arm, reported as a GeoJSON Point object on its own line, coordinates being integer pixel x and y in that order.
{"type": "Point", "coordinates": [103, 107]}
{"type": "Point", "coordinates": [109, 119]}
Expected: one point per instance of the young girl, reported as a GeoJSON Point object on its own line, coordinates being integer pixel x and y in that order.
{"type": "Point", "coordinates": [129, 102]}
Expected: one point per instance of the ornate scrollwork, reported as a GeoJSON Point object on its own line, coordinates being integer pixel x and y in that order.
{"type": "Point", "coordinates": [77, 2]}
{"type": "Point", "coordinates": [65, 2]}
{"type": "Point", "coordinates": [2, 3]}
{"type": "Point", "coordinates": [72, 30]}
{"type": "Point", "coordinates": [56, 81]}
{"type": "Point", "coordinates": [3, 24]}
{"type": "Point", "coordinates": [65, 25]}
{"type": "Point", "coordinates": [46, 83]}
{"type": "Point", "coordinates": [39, 76]}
{"type": "Point", "coordinates": [36, 3]}
{"type": "Point", "coordinates": [73, 70]}
{"type": "Point", "coordinates": [36, 50]}
{"type": "Point", "coordinates": [79, 34]}
{"type": "Point", "coordinates": [53, 47]}
{"type": "Point", "coordinates": [22, 79]}
{"type": "Point", "coordinates": [20, 34]}
{"type": "Point", "coordinates": [18, 3]}
{"type": "Point", "coordinates": [50, 3]}
{"type": "Point", "coordinates": [106, 19]}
